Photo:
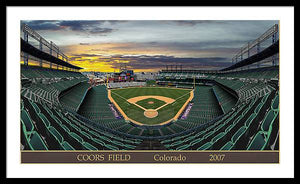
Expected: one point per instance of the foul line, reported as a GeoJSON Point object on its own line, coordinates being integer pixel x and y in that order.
{"type": "Point", "coordinates": [185, 104]}
{"type": "Point", "coordinates": [129, 102]}
{"type": "Point", "coordinates": [119, 96]}
{"type": "Point", "coordinates": [183, 96]}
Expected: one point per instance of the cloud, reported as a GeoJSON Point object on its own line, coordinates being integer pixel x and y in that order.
{"type": "Point", "coordinates": [84, 44]}
{"type": "Point", "coordinates": [116, 21]}
{"type": "Point", "coordinates": [43, 25]}
{"type": "Point", "coordinates": [100, 30]}
{"type": "Point", "coordinates": [80, 25]}
{"type": "Point", "coordinates": [194, 22]}
{"type": "Point", "coordinates": [181, 46]}
{"type": "Point", "coordinates": [84, 26]}
{"type": "Point", "coordinates": [148, 62]}
{"type": "Point", "coordinates": [73, 58]}
{"type": "Point", "coordinates": [85, 55]}
{"type": "Point", "coordinates": [159, 61]}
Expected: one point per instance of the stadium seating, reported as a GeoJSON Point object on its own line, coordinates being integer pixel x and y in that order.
{"type": "Point", "coordinates": [47, 84]}
{"type": "Point", "coordinates": [233, 130]}
{"type": "Point", "coordinates": [54, 130]}
{"type": "Point", "coordinates": [225, 99]}
{"type": "Point", "coordinates": [61, 111]}
{"type": "Point", "coordinates": [72, 98]}
{"type": "Point", "coordinates": [257, 73]}
{"type": "Point", "coordinates": [205, 108]}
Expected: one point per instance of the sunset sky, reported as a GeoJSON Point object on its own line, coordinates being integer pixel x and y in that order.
{"type": "Point", "coordinates": [149, 45]}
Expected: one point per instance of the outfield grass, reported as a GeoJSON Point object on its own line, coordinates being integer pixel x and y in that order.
{"type": "Point", "coordinates": [164, 114]}
{"type": "Point", "coordinates": [143, 91]}
{"type": "Point", "coordinates": [151, 83]}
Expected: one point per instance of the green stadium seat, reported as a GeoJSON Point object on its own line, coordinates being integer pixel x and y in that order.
{"type": "Point", "coordinates": [258, 142]}
{"type": "Point", "coordinates": [56, 119]}
{"type": "Point", "coordinates": [75, 127]}
{"type": "Point", "coordinates": [205, 146]}
{"type": "Point", "coordinates": [99, 141]}
{"type": "Point", "coordinates": [246, 111]}
{"type": "Point", "coordinates": [56, 134]}
{"type": "Point", "coordinates": [176, 143]}
{"type": "Point", "coordinates": [48, 110]}
{"type": "Point", "coordinates": [242, 135]}
{"type": "Point", "coordinates": [268, 120]}
{"type": "Point", "coordinates": [86, 134]}
{"type": "Point", "coordinates": [219, 127]}
{"type": "Point", "coordinates": [192, 143]}
{"type": "Point", "coordinates": [273, 133]}
{"type": "Point", "coordinates": [24, 138]}
{"type": "Point", "coordinates": [237, 120]}
{"type": "Point", "coordinates": [36, 108]}
{"type": "Point", "coordinates": [22, 105]}
{"type": "Point", "coordinates": [238, 134]}
{"type": "Point", "coordinates": [94, 133]}
{"type": "Point", "coordinates": [208, 134]}
{"type": "Point", "coordinates": [27, 121]}
{"type": "Point", "coordinates": [229, 128]}
{"type": "Point", "coordinates": [199, 133]}
{"type": "Point", "coordinates": [65, 128]}
{"type": "Point", "coordinates": [275, 103]}
{"type": "Point", "coordinates": [167, 146]}
{"type": "Point", "coordinates": [217, 137]}
{"type": "Point", "coordinates": [129, 146]}
{"type": "Point", "coordinates": [88, 146]}
{"type": "Point", "coordinates": [66, 146]}
{"type": "Point", "coordinates": [44, 120]}
{"type": "Point", "coordinates": [105, 138]}
{"type": "Point", "coordinates": [36, 142]}
{"type": "Point", "coordinates": [111, 147]}
{"type": "Point", "coordinates": [227, 146]}
{"type": "Point", "coordinates": [117, 143]}
{"type": "Point", "coordinates": [82, 127]}
{"type": "Point", "coordinates": [77, 137]}
{"type": "Point", "coordinates": [249, 120]}
{"type": "Point", "coordinates": [183, 147]}
{"type": "Point", "coordinates": [187, 139]}
{"type": "Point", "coordinates": [264, 99]}
{"type": "Point", "coordinates": [257, 109]}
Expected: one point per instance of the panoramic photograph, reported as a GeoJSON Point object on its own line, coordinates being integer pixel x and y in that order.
{"type": "Point", "coordinates": [160, 85]}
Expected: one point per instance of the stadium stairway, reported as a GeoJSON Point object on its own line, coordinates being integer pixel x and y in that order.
{"type": "Point", "coordinates": [225, 99]}
{"type": "Point", "coordinates": [72, 97]}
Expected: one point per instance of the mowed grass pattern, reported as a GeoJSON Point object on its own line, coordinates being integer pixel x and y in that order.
{"type": "Point", "coordinates": [164, 114]}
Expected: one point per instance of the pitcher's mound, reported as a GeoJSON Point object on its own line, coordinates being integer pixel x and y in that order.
{"type": "Point", "coordinates": [151, 102]}
{"type": "Point", "coordinates": [150, 113]}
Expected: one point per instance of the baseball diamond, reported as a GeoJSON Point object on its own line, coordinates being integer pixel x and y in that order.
{"type": "Point", "coordinates": [133, 103]}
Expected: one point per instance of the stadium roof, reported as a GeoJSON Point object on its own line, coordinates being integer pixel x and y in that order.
{"type": "Point", "coordinates": [28, 48]}
{"type": "Point", "coordinates": [269, 51]}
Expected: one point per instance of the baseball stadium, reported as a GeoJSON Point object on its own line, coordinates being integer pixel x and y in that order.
{"type": "Point", "coordinates": [232, 108]}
